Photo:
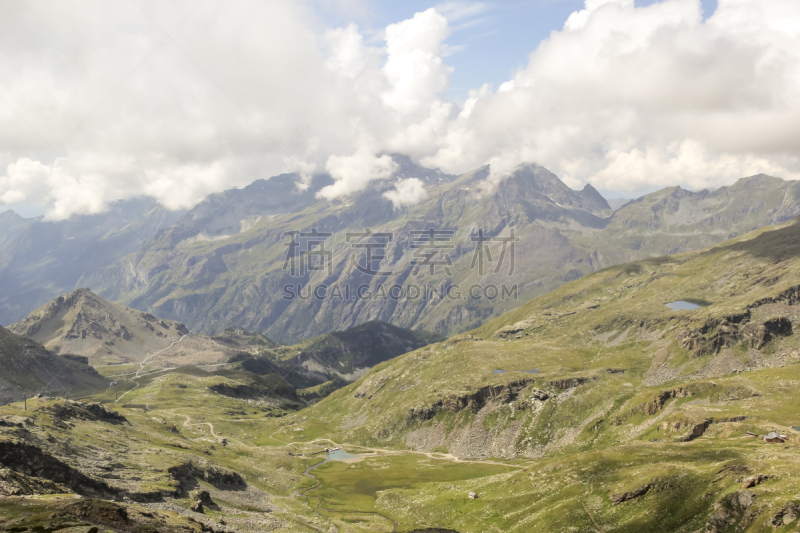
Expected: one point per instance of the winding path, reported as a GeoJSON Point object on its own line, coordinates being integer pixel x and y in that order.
{"type": "Point", "coordinates": [141, 367]}
{"type": "Point", "coordinates": [186, 423]}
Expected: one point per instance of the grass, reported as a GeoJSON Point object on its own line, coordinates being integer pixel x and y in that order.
{"type": "Point", "coordinates": [355, 487]}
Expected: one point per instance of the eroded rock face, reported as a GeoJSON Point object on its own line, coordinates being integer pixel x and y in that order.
{"type": "Point", "coordinates": [16, 484]}
{"type": "Point", "coordinates": [100, 511]}
{"type": "Point", "coordinates": [32, 461]}
{"type": "Point", "coordinates": [568, 383]}
{"type": "Point", "coordinates": [786, 515]}
{"type": "Point", "coordinates": [474, 401]}
{"type": "Point", "coordinates": [726, 332]}
{"type": "Point", "coordinates": [187, 475]}
{"type": "Point", "coordinates": [12, 421]}
{"type": "Point", "coordinates": [70, 410]}
{"type": "Point", "coordinates": [731, 509]}
{"type": "Point", "coordinates": [657, 403]}
{"type": "Point", "coordinates": [655, 485]}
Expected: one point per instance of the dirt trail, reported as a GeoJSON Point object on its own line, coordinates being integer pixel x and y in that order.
{"type": "Point", "coordinates": [141, 368]}
{"type": "Point", "coordinates": [186, 423]}
{"type": "Point", "coordinates": [126, 392]}
{"type": "Point", "coordinates": [148, 357]}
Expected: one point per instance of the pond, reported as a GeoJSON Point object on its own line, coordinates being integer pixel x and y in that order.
{"type": "Point", "coordinates": [532, 371]}
{"type": "Point", "coordinates": [683, 305]}
{"type": "Point", "coordinates": [340, 455]}
{"type": "Point", "coordinates": [499, 371]}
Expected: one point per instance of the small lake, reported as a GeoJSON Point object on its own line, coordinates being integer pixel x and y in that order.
{"type": "Point", "coordinates": [340, 455]}
{"type": "Point", "coordinates": [532, 371]}
{"type": "Point", "coordinates": [682, 305]}
{"type": "Point", "coordinates": [499, 371]}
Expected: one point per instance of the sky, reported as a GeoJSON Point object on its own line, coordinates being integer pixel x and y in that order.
{"type": "Point", "coordinates": [104, 101]}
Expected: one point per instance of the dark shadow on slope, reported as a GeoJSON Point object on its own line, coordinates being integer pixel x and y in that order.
{"type": "Point", "coordinates": [778, 245]}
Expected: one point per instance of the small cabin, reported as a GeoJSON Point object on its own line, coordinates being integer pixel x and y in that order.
{"type": "Point", "coordinates": [775, 438]}
{"type": "Point", "coordinates": [112, 384]}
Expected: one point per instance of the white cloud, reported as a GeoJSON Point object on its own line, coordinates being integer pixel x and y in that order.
{"type": "Point", "coordinates": [353, 173]}
{"type": "Point", "coordinates": [679, 101]}
{"type": "Point", "coordinates": [579, 19]}
{"type": "Point", "coordinates": [407, 192]}
{"type": "Point", "coordinates": [454, 11]}
{"type": "Point", "coordinates": [414, 67]}
{"type": "Point", "coordinates": [625, 97]}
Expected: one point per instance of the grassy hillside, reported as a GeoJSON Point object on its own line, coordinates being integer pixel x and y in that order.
{"type": "Point", "coordinates": [594, 408]}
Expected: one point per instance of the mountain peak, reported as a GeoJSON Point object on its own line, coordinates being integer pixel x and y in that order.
{"type": "Point", "coordinates": [83, 323]}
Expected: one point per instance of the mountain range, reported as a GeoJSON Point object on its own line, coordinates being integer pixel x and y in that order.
{"type": "Point", "coordinates": [226, 262]}
{"type": "Point", "coordinates": [40, 259]}
{"type": "Point", "coordinates": [212, 272]}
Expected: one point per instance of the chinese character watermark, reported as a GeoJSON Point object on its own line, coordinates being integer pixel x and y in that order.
{"type": "Point", "coordinates": [314, 257]}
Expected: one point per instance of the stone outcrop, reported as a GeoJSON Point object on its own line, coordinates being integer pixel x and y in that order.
{"type": "Point", "coordinates": [655, 485]}
{"type": "Point", "coordinates": [13, 421]}
{"type": "Point", "coordinates": [13, 483]}
{"type": "Point", "coordinates": [785, 515]}
{"type": "Point", "coordinates": [32, 461]}
{"type": "Point", "coordinates": [733, 508]}
{"type": "Point", "coordinates": [187, 474]}
{"type": "Point", "coordinates": [692, 430]}
{"type": "Point", "coordinates": [473, 401]}
{"type": "Point", "coordinates": [726, 332]}
{"type": "Point", "coordinates": [752, 481]}
{"type": "Point", "coordinates": [90, 411]}
{"type": "Point", "coordinates": [108, 513]}
{"type": "Point", "coordinates": [657, 403]}
{"type": "Point", "coordinates": [568, 383]}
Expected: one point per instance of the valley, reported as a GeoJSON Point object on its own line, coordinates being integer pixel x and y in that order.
{"type": "Point", "coordinates": [636, 415]}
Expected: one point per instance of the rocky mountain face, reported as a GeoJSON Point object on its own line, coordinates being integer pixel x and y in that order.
{"type": "Point", "coordinates": [243, 268]}
{"type": "Point", "coordinates": [29, 369]}
{"type": "Point", "coordinates": [41, 259]}
{"type": "Point", "coordinates": [105, 332]}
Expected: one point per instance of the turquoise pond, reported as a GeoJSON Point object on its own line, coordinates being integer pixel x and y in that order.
{"type": "Point", "coordinates": [340, 455]}
{"type": "Point", "coordinates": [682, 305]}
